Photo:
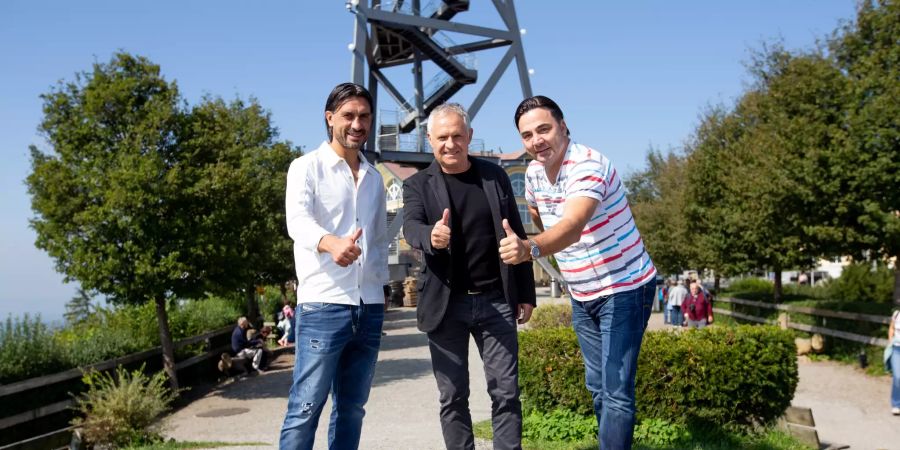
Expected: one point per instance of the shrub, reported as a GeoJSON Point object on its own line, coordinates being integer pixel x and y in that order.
{"type": "Point", "coordinates": [560, 425]}
{"type": "Point", "coordinates": [120, 411]}
{"type": "Point", "coordinates": [660, 433]}
{"type": "Point", "coordinates": [860, 282]}
{"type": "Point", "coordinates": [752, 288]}
{"type": "Point", "coordinates": [110, 333]}
{"type": "Point", "coordinates": [199, 316]}
{"type": "Point", "coordinates": [551, 372]}
{"type": "Point", "coordinates": [27, 349]}
{"type": "Point", "coordinates": [551, 316]}
{"type": "Point", "coordinates": [741, 375]}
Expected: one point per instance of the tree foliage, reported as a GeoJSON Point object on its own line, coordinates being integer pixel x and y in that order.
{"type": "Point", "coordinates": [804, 165]}
{"type": "Point", "coordinates": [145, 200]}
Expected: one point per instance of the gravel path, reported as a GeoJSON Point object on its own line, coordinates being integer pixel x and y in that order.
{"type": "Point", "coordinates": [850, 407]}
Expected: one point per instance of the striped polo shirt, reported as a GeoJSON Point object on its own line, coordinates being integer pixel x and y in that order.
{"type": "Point", "coordinates": [610, 256]}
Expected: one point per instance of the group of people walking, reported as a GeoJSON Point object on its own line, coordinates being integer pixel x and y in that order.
{"type": "Point", "coordinates": [476, 280]}
{"type": "Point", "coordinates": [682, 306]}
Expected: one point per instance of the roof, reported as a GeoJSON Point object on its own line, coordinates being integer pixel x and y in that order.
{"type": "Point", "coordinates": [401, 171]}
{"type": "Point", "coordinates": [521, 154]}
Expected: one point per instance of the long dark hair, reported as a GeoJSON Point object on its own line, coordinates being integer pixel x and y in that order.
{"type": "Point", "coordinates": [340, 94]}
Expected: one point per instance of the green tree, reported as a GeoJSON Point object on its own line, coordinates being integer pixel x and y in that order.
{"type": "Point", "coordinates": [867, 50]}
{"type": "Point", "coordinates": [779, 171]}
{"type": "Point", "coordinates": [143, 200]}
{"type": "Point", "coordinates": [658, 202]}
{"type": "Point", "coordinates": [714, 220]}
{"type": "Point", "coordinates": [246, 189]}
{"type": "Point", "coordinates": [79, 308]}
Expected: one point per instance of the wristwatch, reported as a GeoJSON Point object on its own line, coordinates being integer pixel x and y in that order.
{"type": "Point", "coordinates": [535, 250]}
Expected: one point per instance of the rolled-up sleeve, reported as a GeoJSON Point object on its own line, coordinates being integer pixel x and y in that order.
{"type": "Point", "coordinates": [300, 205]}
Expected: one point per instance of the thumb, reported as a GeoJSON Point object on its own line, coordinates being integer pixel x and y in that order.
{"type": "Point", "coordinates": [446, 219]}
{"type": "Point", "coordinates": [509, 231]}
{"type": "Point", "coordinates": [355, 236]}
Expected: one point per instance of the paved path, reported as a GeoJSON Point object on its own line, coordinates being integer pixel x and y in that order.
{"type": "Point", "coordinates": [849, 407]}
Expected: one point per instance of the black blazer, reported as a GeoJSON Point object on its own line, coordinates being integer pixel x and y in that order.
{"type": "Point", "coordinates": [424, 199]}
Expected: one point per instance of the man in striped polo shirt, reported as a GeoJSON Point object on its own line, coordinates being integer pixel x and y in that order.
{"type": "Point", "coordinates": [578, 201]}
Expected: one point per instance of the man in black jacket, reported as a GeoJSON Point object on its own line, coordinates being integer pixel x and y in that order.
{"type": "Point", "coordinates": [456, 211]}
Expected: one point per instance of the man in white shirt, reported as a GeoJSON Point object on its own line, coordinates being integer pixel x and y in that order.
{"type": "Point", "coordinates": [335, 206]}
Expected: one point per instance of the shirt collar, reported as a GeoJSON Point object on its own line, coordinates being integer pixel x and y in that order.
{"type": "Point", "coordinates": [331, 158]}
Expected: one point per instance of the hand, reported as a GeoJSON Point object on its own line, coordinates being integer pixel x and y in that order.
{"type": "Point", "coordinates": [440, 234]}
{"type": "Point", "coordinates": [709, 319]}
{"type": "Point", "coordinates": [512, 249]}
{"type": "Point", "coordinates": [344, 251]}
{"type": "Point", "coordinates": [524, 314]}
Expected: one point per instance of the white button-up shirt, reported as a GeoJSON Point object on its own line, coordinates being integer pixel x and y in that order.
{"type": "Point", "coordinates": [323, 199]}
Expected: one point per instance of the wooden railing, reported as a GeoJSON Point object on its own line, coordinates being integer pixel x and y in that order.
{"type": "Point", "coordinates": [785, 322]}
{"type": "Point", "coordinates": [71, 376]}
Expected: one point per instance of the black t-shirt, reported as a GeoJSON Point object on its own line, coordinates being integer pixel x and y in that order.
{"type": "Point", "coordinates": [473, 244]}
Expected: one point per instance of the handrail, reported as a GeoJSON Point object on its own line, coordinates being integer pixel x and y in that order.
{"type": "Point", "coordinates": [809, 310]}
{"type": "Point", "coordinates": [855, 337]}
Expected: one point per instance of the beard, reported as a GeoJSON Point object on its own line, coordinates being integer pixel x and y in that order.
{"type": "Point", "coordinates": [346, 143]}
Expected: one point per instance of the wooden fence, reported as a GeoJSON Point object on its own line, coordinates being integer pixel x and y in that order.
{"type": "Point", "coordinates": [216, 342]}
{"type": "Point", "coordinates": [785, 322]}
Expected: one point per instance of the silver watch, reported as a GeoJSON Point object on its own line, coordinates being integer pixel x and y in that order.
{"type": "Point", "coordinates": [535, 250]}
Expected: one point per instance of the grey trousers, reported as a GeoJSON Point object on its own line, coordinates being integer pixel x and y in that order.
{"type": "Point", "coordinates": [490, 320]}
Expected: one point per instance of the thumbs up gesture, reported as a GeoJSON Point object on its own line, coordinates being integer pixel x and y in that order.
{"type": "Point", "coordinates": [440, 234]}
{"type": "Point", "coordinates": [513, 250]}
{"type": "Point", "coordinates": [344, 250]}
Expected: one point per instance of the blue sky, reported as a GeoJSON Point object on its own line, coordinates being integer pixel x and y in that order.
{"type": "Point", "coordinates": [628, 75]}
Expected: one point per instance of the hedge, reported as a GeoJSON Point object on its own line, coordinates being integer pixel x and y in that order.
{"type": "Point", "coordinates": [726, 376]}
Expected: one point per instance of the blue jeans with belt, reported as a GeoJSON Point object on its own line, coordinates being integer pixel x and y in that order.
{"type": "Point", "coordinates": [610, 329]}
{"type": "Point", "coordinates": [337, 347]}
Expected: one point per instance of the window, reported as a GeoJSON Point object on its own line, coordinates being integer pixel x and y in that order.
{"type": "Point", "coordinates": [524, 214]}
{"type": "Point", "coordinates": [518, 184]}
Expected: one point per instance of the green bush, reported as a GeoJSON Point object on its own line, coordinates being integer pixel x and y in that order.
{"type": "Point", "coordinates": [551, 316]}
{"type": "Point", "coordinates": [27, 349]}
{"type": "Point", "coordinates": [660, 433]}
{"type": "Point", "coordinates": [860, 282]}
{"type": "Point", "coordinates": [199, 316]}
{"type": "Point", "coordinates": [119, 411]}
{"type": "Point", "coordinates": [551, 372]}
{"type": "Point", "coordinates": [559, 425]}
{"type": "Point", "coordinates": [742, 375]}
{"type": "Point", "coordinates": [751, 288]}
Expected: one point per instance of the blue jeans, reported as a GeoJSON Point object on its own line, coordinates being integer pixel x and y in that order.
{"type": "Point", "coordinates": [677, 317]}
{"type": "Point", "coordinates": [895, 374]}
{"type": "Point", "coordinates": [337, 346]}
{"type": "Point", "coordinates": [667, 313]}
{"type": "Point", "coordinates": [610, 330]}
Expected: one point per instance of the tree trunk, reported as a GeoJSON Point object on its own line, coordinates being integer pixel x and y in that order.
{"type": "Point", "coordinates": [717, 283]}
{"type": "Point", "coordinates": [776, 295]}
{"type": "Point", "coordinates": [284, 296]}
{"type": "Point", "coordinates": [165, 340]}
{"type": "Point", "coordinates": [253, 307]}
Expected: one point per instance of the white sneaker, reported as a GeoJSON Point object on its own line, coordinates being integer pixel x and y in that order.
{"type": "Point", "coordinates": [895, 411]}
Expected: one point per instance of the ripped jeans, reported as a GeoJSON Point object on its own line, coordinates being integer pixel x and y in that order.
{"type": "Point", "coordinates": [336, 350]}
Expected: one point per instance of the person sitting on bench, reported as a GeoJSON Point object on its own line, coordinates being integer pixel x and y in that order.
{"type": "Point", "coordinates": [244, 348]}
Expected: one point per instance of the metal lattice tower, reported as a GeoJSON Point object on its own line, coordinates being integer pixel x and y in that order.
{"type": "Point", "coordinates": [390, 33]}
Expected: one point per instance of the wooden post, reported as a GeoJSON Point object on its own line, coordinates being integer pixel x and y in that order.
{"type": "Point", "coordinates": [783, 320]}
